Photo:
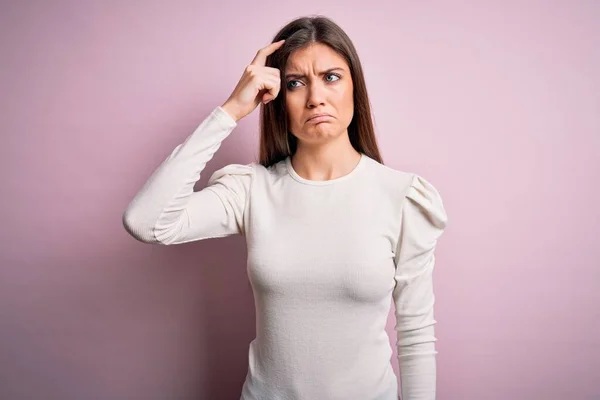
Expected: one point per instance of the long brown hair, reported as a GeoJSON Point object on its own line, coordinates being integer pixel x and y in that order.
{"type": "Point", "coordinates": [276, 142]}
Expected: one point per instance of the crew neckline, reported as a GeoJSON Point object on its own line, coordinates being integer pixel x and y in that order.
{"type": "Point", "coordinates": [294, 174]}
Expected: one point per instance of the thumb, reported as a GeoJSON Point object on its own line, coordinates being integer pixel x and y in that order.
{"type": "Point", "coordinates": [267, 98]}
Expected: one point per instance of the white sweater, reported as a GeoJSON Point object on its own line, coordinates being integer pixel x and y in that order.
{"type": "Point", "coordinates": [325, 260]}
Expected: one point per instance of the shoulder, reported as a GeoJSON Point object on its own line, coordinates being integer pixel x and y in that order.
{"type": "Point", "coordinates": [388, 176]}
{"type": "Point", "coordinates": [233, 171]}
{"type": "Point", "coordinates": [422, 198]}
{"type": "Point", "coordinates": [414, 193]}
{"type": "Point", "coordinates": [398, 183]}
{"type": "Point", "coordinates": [253, 173]}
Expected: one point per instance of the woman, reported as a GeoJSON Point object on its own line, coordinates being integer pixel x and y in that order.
{"type": "Point", "coordinates": [333, 235]}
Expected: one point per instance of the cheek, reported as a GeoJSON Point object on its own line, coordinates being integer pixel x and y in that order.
{"type": "Point", "coordinates": [346, 102]}
{"type": "Point", "coordinates": [292, 109]}
{"type": "Point", "coordinates": [344, 95]}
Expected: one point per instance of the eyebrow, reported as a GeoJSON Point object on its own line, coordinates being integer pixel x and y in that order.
{"type": "Point", "coordinates": [288, 76]}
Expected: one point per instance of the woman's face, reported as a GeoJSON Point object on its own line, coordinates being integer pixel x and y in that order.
{"type": "Point", "coordinates": [318, 80]}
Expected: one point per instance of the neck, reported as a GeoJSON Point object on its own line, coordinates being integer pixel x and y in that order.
{"type": "Point", "coordinates": [325, 161]}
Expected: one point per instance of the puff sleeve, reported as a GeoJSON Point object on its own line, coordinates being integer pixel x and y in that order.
{"type": "Point", "coordinates": [423, 220]}
{"type": "Point", "coordinates": [166, 210]}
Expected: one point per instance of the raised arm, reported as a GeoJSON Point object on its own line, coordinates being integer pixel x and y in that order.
{"type": "Point", "coordinates": [166, 210]}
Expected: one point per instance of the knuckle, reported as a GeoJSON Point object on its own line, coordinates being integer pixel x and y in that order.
{"type": "Point", "coordinates": [252, 72]}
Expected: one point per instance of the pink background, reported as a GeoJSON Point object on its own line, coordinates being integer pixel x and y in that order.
{"type": "Point", "coordinates": [496, 103]}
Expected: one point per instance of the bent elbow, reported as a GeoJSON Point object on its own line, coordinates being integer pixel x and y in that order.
{"type": "Point", "coordinates": [137, 227]}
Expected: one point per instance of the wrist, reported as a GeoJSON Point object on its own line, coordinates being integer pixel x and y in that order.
{"type": "Point", "coordinates": [231, 110]}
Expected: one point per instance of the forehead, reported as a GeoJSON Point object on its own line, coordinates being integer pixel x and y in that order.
{"type": "Point", "coordinates": [316, 55]}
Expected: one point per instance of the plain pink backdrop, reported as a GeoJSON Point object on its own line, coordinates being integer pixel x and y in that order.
{"type": "Point", "coordinates": [496, 103]}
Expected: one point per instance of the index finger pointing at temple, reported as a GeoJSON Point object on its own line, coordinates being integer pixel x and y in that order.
{"type": "Point", "coordinates": [261, 57]}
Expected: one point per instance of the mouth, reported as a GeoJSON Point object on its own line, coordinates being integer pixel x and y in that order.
{"type": "Point", "coordinates": [319, 118]}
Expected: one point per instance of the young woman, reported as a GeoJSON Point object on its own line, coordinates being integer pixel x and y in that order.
{"type": "Point", "coordinates": [333, 235]}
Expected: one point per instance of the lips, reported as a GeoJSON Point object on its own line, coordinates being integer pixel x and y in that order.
{"type": "Point", "coordinates": [319, 115]}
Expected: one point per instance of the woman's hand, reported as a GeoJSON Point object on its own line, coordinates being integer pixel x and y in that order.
{"type": "Point", "coordinates": [257, 84]}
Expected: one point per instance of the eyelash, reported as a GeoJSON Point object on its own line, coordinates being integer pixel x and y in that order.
{"type": "Point", "coordinates": [294, 80]}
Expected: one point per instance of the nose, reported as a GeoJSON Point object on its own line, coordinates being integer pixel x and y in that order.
{"type": "Point", "coordinates": [316, 95]}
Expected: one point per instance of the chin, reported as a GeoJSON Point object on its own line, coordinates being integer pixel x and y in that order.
{"type": "Point", "coordinates": [324, 133]}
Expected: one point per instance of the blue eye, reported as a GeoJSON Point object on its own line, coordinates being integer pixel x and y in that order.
{"type": "Point", "coordinates": [328, 75]}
